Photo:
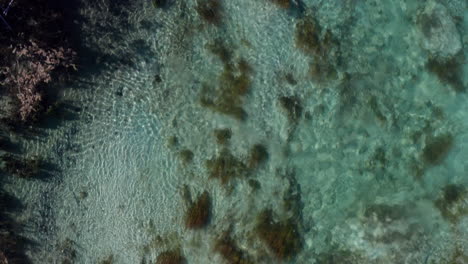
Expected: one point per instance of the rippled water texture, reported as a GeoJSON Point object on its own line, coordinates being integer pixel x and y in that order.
{"type": "Point", "coordinates": [268, 131]}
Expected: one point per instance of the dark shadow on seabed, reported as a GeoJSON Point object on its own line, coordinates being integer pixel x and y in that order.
{"type": "Point", "coordinates": [12, 245]}
{"type": "Point", "coordinates": [53, 26]}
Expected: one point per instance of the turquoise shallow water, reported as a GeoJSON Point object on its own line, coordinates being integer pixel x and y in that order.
{"type": "Point", "coordinates": [360, 106]}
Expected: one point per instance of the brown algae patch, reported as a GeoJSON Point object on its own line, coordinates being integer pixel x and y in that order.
{"type": "Point", "coordinates": [437, 149]}
{"type": "Point", "coordinates": [292, 106]}
{"type": "Point", "coordinates": [171, 257]}
{"type": "Point", "coordinates": [322, 71]}
{"type": "Point", "coordinates": [282, 3]}
{"type": "Point", "coordinates": [335, 256]}
{"type": "Point", "coordinates": [307, 36]}
{"type": "Point", "coordinates": [186, 156]}
{"type": "Point", "coordinates": [226, 167]}
{"type": "Point", "coordinates": [258, 155]}
{"type": "Point", "coordinates": [289, 78]}
{"type": "Point", "coordinates": [108, 260]}
{"type": "Point", "coordinates": [231, 253]}
{"type": "Point", "coordinates": [450, 202]}
{"type": "Point", "coordinates": [27, 168]}
{"type": "Point", "coordinates": [210, 11]}
{"type": "Point", "coordinates": [222, 135]}
{"type": "Point", "coordinates": [374, 106]}
{"type": "Point", "coordinates": [311, 41]}
{"type": "Point", "coordinates": [234, 83]}
{"type": "Point", "coordinates": [448, 71]}
{"type": "Point", "coordinates": [385, 213]}
{"type": "Point", "coordinates": [281, 237]}
{"type": "Point", "coordinates": [159, 3]}
{"type": "Point", "coordinates": [254, 184]}
{"type": "Point", "coordinates": [199, 213]}
{"type": "Point", "coordinates": [172, 142]}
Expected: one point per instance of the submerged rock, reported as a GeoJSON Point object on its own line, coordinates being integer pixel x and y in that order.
{"type": "Point", "coordinates": [440, 36]}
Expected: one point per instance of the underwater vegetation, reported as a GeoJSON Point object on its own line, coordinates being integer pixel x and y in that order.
{"type": "Point", "coordinates": [219, 49]}
{"type": "Point", "coordinates": [450, 202]}
{"type": "Point", "coordinates": [108, 260]}
{"type": "Point", "coordinates": [67, 251]}
{"type": "Point", "coordinates": [437, 148]}
{"type": "Point", "coordinates": [232, 254]}
{"type": "Point", "coordinates": [7, 145]}
{"type": "Point", "coordinates": [226, 167]}
{"type": "Point", "coordinates": [281, 237]}
{"type": "Point", "coordinates": [171, 257]}
{"type": "Point", "coordinates": [292, 106]}
{"type": "Point", "coordinates": [258, 155]}
{"type": "Point", "coordinates": [282, 3]}
{"type": "Point", "coordinates": [382, 223]}
{"type": "Point", "coordinates": [292, 199]}
{"type": "Point", "coordinates": [26, 168]}
{"type": "Point", "coordinates": [233, 84]}
{"type": "Point", "coordinates": [374, 106]}
{"type": "Point", "coordinates": [289, 77]}
{"type": "Point", "coordinates": [448, 71]}
{"type": "Point", "coordinates": [385, 213]}
{"type": "Point", "coordinates": [159, 3]}
{"type": "Point", "coordinates": [199, 212]}
{"type": "Point", "coordinates": [186, 156]}
{"type": "Point", "coordinates": [322, 71]}
{"type": "Point", "coordinates": [307, 36]}
{"type": "Point", "coordinates": [59, 110]}
{"type": "Point", "coordinates": [378, 163]}
{"type": "Point", "coordinates": [458, 257]}
{"type": "Point", "coordinates": [335, 256]}
{"type": "Point", "coordinates": [310, 39]}
{"type": "Point", "coordinates": [210, 11]}
{"type": "Point", "coordinates": [254, 184]}
{"type": "Point", "coordinates": [172, 141]}
{"type": "Point", "coordinates": [222, 135]}
{"type": "Point", "coordinates": [12, 245]}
